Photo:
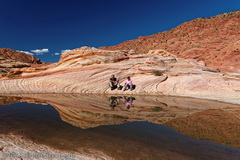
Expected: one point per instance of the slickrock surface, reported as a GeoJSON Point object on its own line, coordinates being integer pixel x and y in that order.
{"type": "Point", "coordinates": [87, 70]}
{"type": "Point", "coordinates": [215, 40]}
{"type": "Point", "coordinates": [18, 147]}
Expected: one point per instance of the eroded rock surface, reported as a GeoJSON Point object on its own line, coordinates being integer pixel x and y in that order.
{"type": "Point", "coordinates": [12, 61]}
{"type": "Point", "coordinates": [214, 40]}
{"type": "Point", "coordinates": [87, 70]}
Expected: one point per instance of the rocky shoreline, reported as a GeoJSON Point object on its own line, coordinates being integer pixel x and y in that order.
{"type": "Point", "coordinates": [19, 147]}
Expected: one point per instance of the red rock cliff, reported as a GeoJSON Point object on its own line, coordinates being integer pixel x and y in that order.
{"type": "Point", "coordinates": [215, 40]}
{"type": "Point", "coordinates": [18, 56]}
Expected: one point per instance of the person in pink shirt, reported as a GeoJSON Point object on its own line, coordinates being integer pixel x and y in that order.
{"type": "Point", "coordinates": [128, 84]}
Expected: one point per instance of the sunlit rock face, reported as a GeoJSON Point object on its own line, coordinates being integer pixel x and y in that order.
{"type": "Point", "coordinates": [214, 40]}
{"type": "Point", "coordinates": [10, 54]}
{"type": "Point", "coordinates": [87, 70]}
{"type": "Point", "coordinates": [11, 62]}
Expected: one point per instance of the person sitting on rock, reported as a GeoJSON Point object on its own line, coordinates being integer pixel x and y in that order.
{"type": "Point", "coordinates": [128, 84]}
{"type": "Point", "coordinates": [114, 83]}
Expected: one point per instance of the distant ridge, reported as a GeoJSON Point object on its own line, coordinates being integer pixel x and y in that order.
{"type": "Point", "coordinates": [215, 40]}
{"type": "Point", "coordinates": [11, 54]}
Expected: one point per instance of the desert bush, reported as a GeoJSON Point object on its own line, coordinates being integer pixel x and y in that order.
{"type": "Point", "coordinates": [157, 109]}
{"type": "Point", "coordinates": [158, 73]}
{"type": "Point", "coordinates": [14, 75]}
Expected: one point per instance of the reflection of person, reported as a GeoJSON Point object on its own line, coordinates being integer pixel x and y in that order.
{"type": "Point", "coordinates": [128, 101]}
{"type": "Point", "coordinates": [128, 84]}
{"type": "Point", "coordinates": [114, 83]}
{"type": "Point", "coordinates": [113, 102]}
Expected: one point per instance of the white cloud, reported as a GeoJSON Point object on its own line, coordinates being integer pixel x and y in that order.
{"type": "Point", "coordinates": [26, 52]}
{"type": "Point", "coordinates": [65, 50]}
{"type": "Point", "coordinates": [61, 52]}
{"type": "Point", "coordinates": [40, 51]}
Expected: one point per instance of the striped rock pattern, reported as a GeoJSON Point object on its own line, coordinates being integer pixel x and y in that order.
{"type": "Point", "coordinates": [87, 70]}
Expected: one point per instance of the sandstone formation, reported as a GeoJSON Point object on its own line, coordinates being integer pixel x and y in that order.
{"type": "Point", "coordinates": [87, 70]}
{"type": "Point", "coordinates": [214, 40]}
{"type": "Point", "coordinates": [7, 66]}
{"type": "Point", "coordinates": [18, 56]}
{"type": "Point", "coordinates": [11, 61]}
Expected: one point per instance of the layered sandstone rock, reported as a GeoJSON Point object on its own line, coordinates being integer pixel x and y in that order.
{"type": "Point", "coordinates": [87, 70]}
{"type": "Point", "coordinates": [12, 61]}
{"type": "Point", "coordinates": [8, 65]}
{"type": "Point", "coordinates": [214, 40]}
{"type": "Point", "coordinates": [18, 56]}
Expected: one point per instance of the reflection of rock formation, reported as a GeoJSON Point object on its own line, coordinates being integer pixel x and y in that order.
{"type": "Point", "coordinates": [9, 100]}
{"type": "Point", "coordinates": [87, 111]}
{"type": "Point", "coordinates": [42, 125]}
{"type": "Point", "coordinates": [202, 119]}
{"type": "Point", "coordinates": [221, 126]}
{"type": "Point", "coordinates": [158, 72]}
{"type": "Point", "coordinates": [88, 119]}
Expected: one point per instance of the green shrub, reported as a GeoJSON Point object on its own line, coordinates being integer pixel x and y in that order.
{"type": "Point", "coordinates": [157, 109]}
{"type": "Point", "coordinates": [14, 75]}
{"type": "Point", "coordinates": [157, 73]}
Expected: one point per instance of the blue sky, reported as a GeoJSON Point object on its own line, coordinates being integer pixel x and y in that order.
{"type": "Point", "coordinates": [46, 27]}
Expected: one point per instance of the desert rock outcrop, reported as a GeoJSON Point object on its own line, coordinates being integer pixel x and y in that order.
{"type": "Point", "coordinates": [11, 54]}
{"type": "Point", "coordinates": [11, 61]}
{"type": "Point", "coordinates": [87, 70]}
{"type": "Point", "coordinates": [214, 40]}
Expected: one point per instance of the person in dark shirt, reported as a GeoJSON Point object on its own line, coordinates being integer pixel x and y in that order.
{"type": "Point", "coordinates": [114, 83]}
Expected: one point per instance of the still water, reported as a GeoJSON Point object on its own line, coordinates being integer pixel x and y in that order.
{"type": "Point", "coordinates": [125, 127]}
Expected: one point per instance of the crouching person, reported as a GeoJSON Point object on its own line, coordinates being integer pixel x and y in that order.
{"type": "Point", "coordinates": [128, 84]}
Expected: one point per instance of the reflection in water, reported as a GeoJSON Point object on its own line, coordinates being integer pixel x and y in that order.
{"type": "Point", "coordinates": [114, 101]}
{"type": "Point", "coordinates": [202, 119]}
{"type": "Point", "coordinates": [128, 101]}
